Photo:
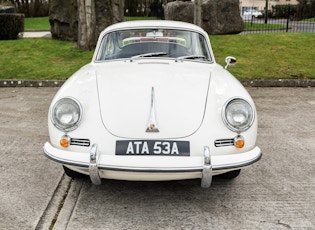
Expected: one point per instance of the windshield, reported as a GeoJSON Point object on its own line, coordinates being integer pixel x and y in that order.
{"type": "Point", "coordinates": [148, 43]}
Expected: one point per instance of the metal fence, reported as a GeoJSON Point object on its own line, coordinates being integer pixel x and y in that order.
{"type": "Point", "coordinates": [257, 25]}
{"type": "Point", "coordinates": [289, 21]}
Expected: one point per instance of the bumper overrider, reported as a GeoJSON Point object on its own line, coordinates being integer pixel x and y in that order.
{"type": "Point", "coordinates": [207, 166]}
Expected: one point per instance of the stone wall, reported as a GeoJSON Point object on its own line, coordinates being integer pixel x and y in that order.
{"type": "Point", "coordinates": [63, 17]}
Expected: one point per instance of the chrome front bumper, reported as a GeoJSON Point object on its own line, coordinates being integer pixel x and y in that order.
{"type": "Point", "coordinates": [210, 163]}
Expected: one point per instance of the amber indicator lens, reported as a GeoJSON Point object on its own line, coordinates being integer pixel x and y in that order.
{"type": "Point", "coordinates": [65, 141]}
{"type": "Point", "coordinates": [239, 142]}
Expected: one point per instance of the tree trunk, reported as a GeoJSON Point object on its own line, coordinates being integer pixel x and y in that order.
{"type": "Point", "coordinates": [36, 8]}
{"type": "Point", "coordinates": [86, 27]}
{"type": "Point", "coordinates": [197, 12]}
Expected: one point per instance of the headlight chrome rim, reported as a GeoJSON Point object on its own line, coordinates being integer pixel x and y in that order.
{"type": "Point", "coordinates": [72, 125]}
{"type": "Point", "coordinates": [247, 124]}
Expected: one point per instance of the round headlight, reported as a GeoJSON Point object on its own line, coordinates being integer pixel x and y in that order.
{"type": "Point", "coordinates": [238, 115]}
{"type": "Point", "coordinates": [66, 114]}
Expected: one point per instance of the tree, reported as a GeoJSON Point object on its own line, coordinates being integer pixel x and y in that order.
{"type": "Point", "coordinates": [86, 24]}
{"type": "Point", "coordinates": [151, 8]}
{"type": "Point", "coordinates": [197, 12]}
{"type": "Point", "coordinates": [31, 8]}
{"type": "Point", "coordinates": [306, 9]}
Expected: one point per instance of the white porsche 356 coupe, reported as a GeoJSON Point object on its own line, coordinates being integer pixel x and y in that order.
{"type": "Point", "coordinates": [152, 105]}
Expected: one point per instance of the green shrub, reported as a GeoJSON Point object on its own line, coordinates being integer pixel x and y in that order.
{"type": "Point", "coordinates": [283, 11]}
{"type": "Point", "coordinates": [11, 25]}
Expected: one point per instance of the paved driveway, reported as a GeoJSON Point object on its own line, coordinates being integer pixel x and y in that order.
{"type": "Point", "coordinates": [278, 192]}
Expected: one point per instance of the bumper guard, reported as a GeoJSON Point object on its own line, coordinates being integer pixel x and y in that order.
{"type": "Point", "coordinates": [207, 169]}
{"type": "Point", "coordinates": [93, 166]}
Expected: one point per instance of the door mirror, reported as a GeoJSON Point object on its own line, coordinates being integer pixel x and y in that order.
{"type": "Point", "coordinates": [230, 61]}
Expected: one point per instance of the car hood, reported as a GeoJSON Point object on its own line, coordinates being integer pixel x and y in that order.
{"type": "Point", "coordinates": [134, 94]}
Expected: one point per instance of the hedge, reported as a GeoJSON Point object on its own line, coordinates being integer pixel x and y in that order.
{"type": "Point", "coordinates": [11, 25]}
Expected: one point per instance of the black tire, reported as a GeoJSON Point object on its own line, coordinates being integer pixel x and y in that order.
{"type": "Point", "coordinates": [72, 174]}
{"type": "Point", "coordinates": [230, 175]}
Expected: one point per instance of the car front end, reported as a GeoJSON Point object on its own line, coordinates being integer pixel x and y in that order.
{"type": "Point", "coordinates": [152, 116]}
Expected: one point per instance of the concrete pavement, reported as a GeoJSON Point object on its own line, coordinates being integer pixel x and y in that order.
{"type": "Point", "coordinates": [36, 34]}
{"type": "Point", "coordinates": [278, 192]}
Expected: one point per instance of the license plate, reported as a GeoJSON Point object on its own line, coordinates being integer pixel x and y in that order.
{"type": "Point", "coordinates": [153, 147]}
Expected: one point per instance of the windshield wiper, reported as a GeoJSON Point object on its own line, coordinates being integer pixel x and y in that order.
{"type": "Point", "coordinates": [156, 54]}
{"type": "Point", "coordinates": [191, 57]}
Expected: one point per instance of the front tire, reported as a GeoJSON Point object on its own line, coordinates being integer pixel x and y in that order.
{"type": "Point", "coordinates": [71, 173]}
{"type": "Point", "coordinates": [231, 175]}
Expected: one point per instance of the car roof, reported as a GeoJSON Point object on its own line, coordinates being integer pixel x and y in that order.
{"type": "Point", "coordinates": [154, 23]}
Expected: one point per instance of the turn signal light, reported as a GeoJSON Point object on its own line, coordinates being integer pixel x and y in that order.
{"type": "Point", "coordinates": [65, 141]}
{"type": "Point", "coordinates": [239, 142]}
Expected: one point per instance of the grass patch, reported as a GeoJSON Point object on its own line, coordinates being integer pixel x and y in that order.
{"type": "Point", "coordinates": [259, 56]}
{"type": "Point", "coordinates": [309, 20]}
{"type": "Point", "coordinates": [40, 23]}
{"type": "Point", "coordinates": [40, 58]}
{"type": "Point", "coordinates": [269, 55]}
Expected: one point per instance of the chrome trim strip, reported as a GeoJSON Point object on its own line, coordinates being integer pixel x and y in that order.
{"type": "Point", "coordinates": [93, 166]}
{"type": "Point", "coordinates": [234, 166]}
{"type": "Point", "coordinates": [65, 162]}
{"type": "Point", "coordinates": [150, 170]}
{"type": "Point", "coordinates": [206, 178]}
{"type": "Point", "coordinates": [152, 125]}
{"type": "Point", "coordinates": [117, 168]}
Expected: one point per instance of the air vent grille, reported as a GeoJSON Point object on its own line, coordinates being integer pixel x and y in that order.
{"type": "Point", "coordinates": [80, 142]}
{"type": "Point", "coordinates": [224, 142]}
